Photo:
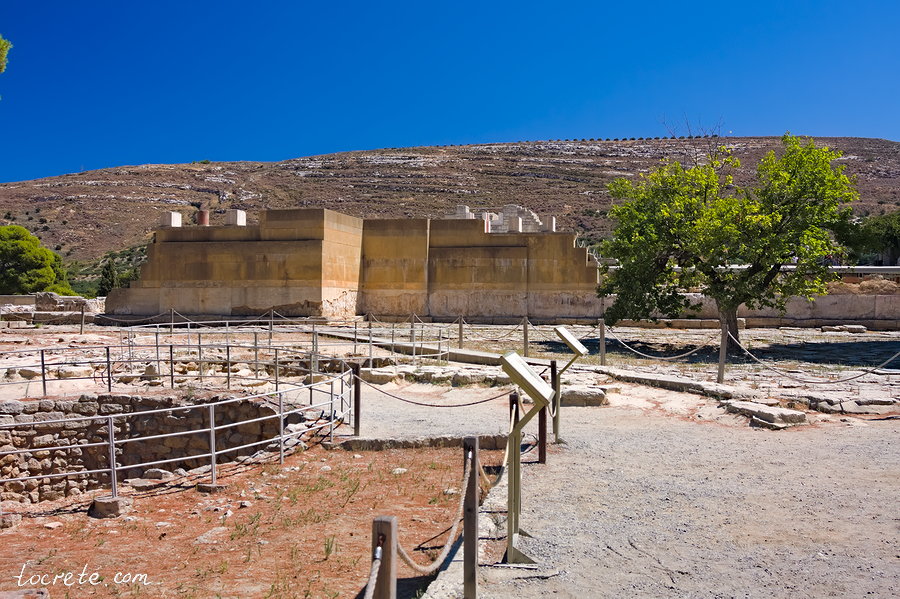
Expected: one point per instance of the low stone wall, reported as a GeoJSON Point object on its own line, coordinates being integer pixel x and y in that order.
{"type": "Point", "coordinates": [32, 432]}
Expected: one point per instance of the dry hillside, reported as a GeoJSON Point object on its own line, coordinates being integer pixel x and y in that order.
{"type": "Point", "coordinates": [84, 215]}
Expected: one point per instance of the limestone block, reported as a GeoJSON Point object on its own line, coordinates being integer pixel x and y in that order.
{"type": "Point", "coordinates": [73, 372]}
{"type": "Point", "coordinates": [109, 507]}
{"type": "Point", "coordinates": [767, 413]}
{"type": "Point", "coordinates": [378, 376]}
{"type": "Point", "coordinates": [583, 395]}
{"type": "Point", "coordinates": [29, 373]}
{"type": "Point", "coordinates": [11, 407]}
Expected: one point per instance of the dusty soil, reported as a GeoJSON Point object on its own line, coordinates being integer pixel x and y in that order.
{"type": "Point", "coordinates": [305, 530]}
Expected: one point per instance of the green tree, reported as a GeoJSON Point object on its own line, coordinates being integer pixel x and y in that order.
{"type": "Point", "coordinates": [26, 266]}
{"type": "Point", "coordinates": [681, 228]}
{"type": "Point", "coordinates": [5, 47]}
{"type": "Point", "coordinates": [109, 279]}
{"type": "Point", "coordinates": [876, 238]}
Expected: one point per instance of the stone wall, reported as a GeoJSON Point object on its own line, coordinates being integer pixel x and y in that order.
{"type": "Point", "coordinates": [32, 433]}
{"type": "Point", "coordinates": [315, 262]}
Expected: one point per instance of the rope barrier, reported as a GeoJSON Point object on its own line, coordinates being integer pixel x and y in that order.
{"type": "Point", "coordinates": [439, 560]}
{"type": "Point", "coordinates": [428, 405]}
{"type": "Point", "coordinates": [666, 358]}
{"type": "Point", "coordinates": [373, 575]}
{"type": "Point", "coordinates": [812, 382]}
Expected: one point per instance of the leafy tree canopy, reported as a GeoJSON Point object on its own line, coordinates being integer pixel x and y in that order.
{"type": "Point", "coordinates": [26, 266]}
{"type": "Point", "coordinates": [5, 47]}
{"type": "Point", "coordinates": [684, 228]}
{"type": "Point", "coordinates": [109, 278]}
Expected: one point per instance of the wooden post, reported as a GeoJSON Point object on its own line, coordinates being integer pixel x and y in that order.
{"type": "Point", "coordinates": [723, 352]}
{"type": "Point", "coordinates": [81, 331]}
{"type": "Point", "coordinates": [554, 382]}
{"type": "Point", "coordinates": [470, 520]}
{"type": "Point", "coordinates": [357, 398]}
{"type": "Point", "coordinates": [602, 327]}
{"type": "Point", "coordinates": [384, 534]}
{"type": "Point", "coordinates": [542, 436]}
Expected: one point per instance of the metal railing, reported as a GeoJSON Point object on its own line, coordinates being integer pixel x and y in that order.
{"type": "Point", "coordinates": [331, 396]}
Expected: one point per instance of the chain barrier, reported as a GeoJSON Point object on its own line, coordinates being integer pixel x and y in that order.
{"type": "Point", "coordinates": [665, 358]}
{"type": "Point", "coordinates": [439, 560]}
{"type": "Point", "coordinates": [814, 382]}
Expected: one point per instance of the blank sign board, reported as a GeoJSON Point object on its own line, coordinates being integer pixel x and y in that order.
{"type": "Point", "coordinates": [526, 378]}
{"type": "Point", "coordinates": [574, 344]}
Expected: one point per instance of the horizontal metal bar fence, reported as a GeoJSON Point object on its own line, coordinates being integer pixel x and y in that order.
{"type": "Point", "coordinates": [276, 397]}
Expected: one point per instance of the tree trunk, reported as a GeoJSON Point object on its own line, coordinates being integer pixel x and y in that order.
{"type": "Point", "coordinates": [728, 317]}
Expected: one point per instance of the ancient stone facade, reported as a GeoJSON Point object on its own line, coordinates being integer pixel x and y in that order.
{"type": "Point", "coordinates": [317, 262]}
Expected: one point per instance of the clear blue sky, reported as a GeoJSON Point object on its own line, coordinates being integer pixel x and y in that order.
{"type": "Point", "coordinates": [101, 83]}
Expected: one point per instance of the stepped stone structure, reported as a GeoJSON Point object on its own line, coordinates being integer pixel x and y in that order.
{"type": "Point", "coordinates": [317, 262]}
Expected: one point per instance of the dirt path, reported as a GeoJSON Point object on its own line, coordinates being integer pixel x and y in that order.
{"type": "Point", "coordinates": [643, 503]}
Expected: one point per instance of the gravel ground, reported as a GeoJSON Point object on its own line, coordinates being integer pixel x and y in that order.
{"type": "Point", "coordinates": [644, 503]}
{"type": "Point", "coordinates": [664, 494]}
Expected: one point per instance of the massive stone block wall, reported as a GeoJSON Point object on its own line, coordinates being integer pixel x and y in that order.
{"type": "Point", "coordinates": [296, 262]}
{"type": "Point", "coordinates": [319, 262]}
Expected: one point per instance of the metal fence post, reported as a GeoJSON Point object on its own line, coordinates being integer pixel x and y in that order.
{"type": "Point", "coordinates": [460, 344]}
{"type": "Point", "coordinates": [357, 398]}
{"type": "Point", "coordinates": [384, 534]}
{"type": "Point", "coordinates": [171, 366]}
{"type": "Point", "coordinates": [370, 344]}
{"type": "Point", "coordinates": [212, 441]}
{"type": "Point", "coordinates": [200, 357]}
{"type": "Point", "coordinates": [81, 330]}
{"type": "Point", "coordinates": [255, 354]}
{"type": "Point", "coordinates": [525, 336]}
{"type": "Point", "coordinates": [108, 371]}
{"type": "Point", "coordinates": [280, 428]}
{"type": "Point", "coordinates": [271, 319]}
{"type": "Point", "coordinates": [276, 369]}
{"type": "Point", "coordinates": [470, 520]}
{"type": "Point", "coordinates": [111, 436]}
{"type": "Point", "coordinates": [331, 410]}
{"type": "Point", "coordinates": [227, 366]}
{"type": "Point", "coordinates": [171, 321]}
{"type": "Point", "coordinates": [43, 374]}
{"type": "Point", "coordinates": [156, 337]}
{"type": "Point", "coordinates": [354, 337]}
